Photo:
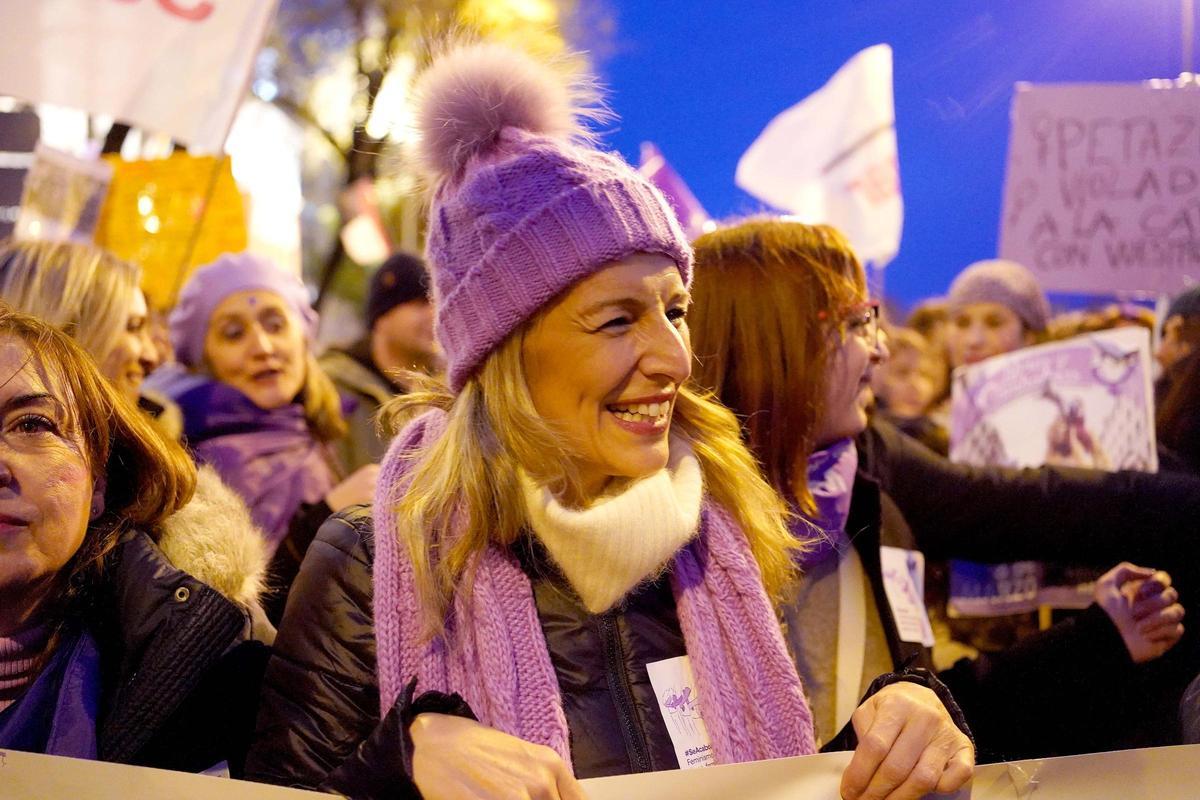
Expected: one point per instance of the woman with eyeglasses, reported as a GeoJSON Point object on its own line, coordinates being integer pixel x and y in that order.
{"type": "Point", "coordinates": [785, 335]}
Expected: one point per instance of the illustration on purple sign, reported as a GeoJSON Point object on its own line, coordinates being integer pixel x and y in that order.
{"type": "Point", "coordinates": [1083, 402]}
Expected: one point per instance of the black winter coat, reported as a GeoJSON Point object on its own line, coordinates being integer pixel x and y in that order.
{"type": "Point", "coordinates": [1073, 688]}
{"type": "Point", "coordinates": [319, 724]}
{"type": "Point", "coordinates": [179, 673]}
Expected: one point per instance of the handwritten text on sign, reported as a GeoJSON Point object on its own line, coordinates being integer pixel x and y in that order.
{"type": "Point", "coordinates": [1103, 187]}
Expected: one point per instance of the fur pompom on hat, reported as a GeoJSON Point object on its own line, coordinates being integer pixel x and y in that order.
{"type": "Point", "coordinates": [523, 207]}
{"type": "Point", "coordinates": [1004, 282]}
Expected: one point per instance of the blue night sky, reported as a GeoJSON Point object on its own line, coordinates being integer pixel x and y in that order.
{"type": "Point", "coordinates": [701, 79]}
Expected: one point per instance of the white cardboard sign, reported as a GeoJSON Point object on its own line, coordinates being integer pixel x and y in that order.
{"type": "Point", "coordinates": [1102, 192]}
{"type": "Point", "coordinates": [1082, 402]}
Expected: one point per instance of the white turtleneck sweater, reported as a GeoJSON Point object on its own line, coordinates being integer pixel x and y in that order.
{"type": "Point", "coordinates": [625, 537]}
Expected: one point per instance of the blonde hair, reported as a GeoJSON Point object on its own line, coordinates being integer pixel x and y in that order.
{"type": "Point", "coordinates": [322, 403]}
{"type": "Point", "coordinates": [465, 493]}
{"type": "Point", "coordinates": [82, 290]}
{"type": "Point", "coordinates": [319, 396]}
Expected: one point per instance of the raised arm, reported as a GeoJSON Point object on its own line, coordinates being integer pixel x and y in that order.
{"type": "Point", "coordinates": [1054, 514]}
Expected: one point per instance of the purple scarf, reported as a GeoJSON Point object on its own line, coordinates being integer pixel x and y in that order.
{"type": "Point", "coordinates": [270, 458]}
{"type": "Point", "coordinates": [494, 652]}
{"type": "Point", "coordinates": [830, 481]}
{"type": "Point", "coordinates": [57, 713]}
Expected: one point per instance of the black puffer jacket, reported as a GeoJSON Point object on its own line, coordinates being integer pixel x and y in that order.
{"type": "Point", "coordinates": [319, 723]}
{"type": "Point", "coordinates": [321, 699]}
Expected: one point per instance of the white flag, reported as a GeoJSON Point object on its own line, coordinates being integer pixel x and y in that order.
{"type": "Point", "coordinates": [178, 67]}
{"type": "Point", "coordinates": [832, 158]}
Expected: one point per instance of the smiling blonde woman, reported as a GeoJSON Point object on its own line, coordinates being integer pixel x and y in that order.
{"type": "Point", "coordinates": [566, 521]}
{"type": "Point", "coordinates": [91, 295]}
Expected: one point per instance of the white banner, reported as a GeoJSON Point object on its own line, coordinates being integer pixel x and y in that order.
{"type": "Point", "coordinates": [1162, 773]}
{"type": "Point", "coordinates": [832, 158]}
{"type": "Point", "coordinates": [32, 775]}
{"type": "Point", "coordinates": [1102, 193]}
{"type": "Point", "coordinates": [178, 67]}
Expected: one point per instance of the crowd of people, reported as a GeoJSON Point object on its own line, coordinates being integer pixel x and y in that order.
{"type": "Point", "coordinates": [450, 565]}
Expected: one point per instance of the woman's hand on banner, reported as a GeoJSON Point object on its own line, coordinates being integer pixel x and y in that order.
{"type": "Point", "coordinates": [456, 758]}
{"type": "Point", "coordinates": [908, 746]}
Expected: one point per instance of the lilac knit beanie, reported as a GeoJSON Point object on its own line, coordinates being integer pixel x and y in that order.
{"type": "Point", "coordinates": [522, 207]}
{"type": "Point", "coordinates": [1006, 283]}
{"type": "Point", "coordinates": [229, 274]}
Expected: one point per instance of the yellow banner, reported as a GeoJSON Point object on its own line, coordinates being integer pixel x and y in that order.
{"type": "Point", "coordinates": [152, 212]}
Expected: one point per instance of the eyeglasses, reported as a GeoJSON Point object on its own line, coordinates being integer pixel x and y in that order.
{"type": "Point", "coordinates": [863, 322]}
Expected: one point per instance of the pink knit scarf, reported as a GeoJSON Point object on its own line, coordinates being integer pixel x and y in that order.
{"type": "Point", "coordinates": [19, 654]}
{"type": "Point", "coordinates": [494, 654]}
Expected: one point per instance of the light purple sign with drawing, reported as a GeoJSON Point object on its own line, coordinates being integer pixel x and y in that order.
{"type": "Point", "coordinates": [1102, 191]}
{"type": "Point", "coordinates": [1083, 402]}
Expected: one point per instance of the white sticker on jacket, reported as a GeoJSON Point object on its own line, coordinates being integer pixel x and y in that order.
{"type": "Point", "coordinates": [675, 687]}
{"type": "Point", "coordinates": [904, 582]}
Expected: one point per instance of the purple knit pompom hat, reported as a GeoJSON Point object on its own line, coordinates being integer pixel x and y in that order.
{"type": "Point", "coordinates": [520, 210]}
{"type": "Point", "coordinates": [1006, 283]}
{"type": "Point", "coordinates": [229, 274]}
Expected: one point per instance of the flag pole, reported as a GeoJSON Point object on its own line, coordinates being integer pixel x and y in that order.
{"type": "Point", "coordinates": [219, 160]}
{"type": "Point", "coordinates": [1187, 10]}
{"type": "Point", "coordinates": [194, 236]}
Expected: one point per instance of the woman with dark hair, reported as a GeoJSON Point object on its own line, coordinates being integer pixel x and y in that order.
{"type": "Point", "coordinates": [1178, 389]}
{"type": "Point", "coordinates": [125, 608]}
{"type": "Point", "coordinates": [786, 336]}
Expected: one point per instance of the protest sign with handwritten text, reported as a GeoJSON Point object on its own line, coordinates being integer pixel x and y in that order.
{"type": "Point", "coordinates": [1103, 187]}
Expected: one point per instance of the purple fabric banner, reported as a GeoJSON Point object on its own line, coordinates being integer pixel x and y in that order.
{"type": "Point", "coordinates": [692, 216]}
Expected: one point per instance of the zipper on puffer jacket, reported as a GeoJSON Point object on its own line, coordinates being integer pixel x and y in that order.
{"type": "Point", "coordinates": [622, 694]}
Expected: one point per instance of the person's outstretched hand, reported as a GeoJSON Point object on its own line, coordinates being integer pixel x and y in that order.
{"type": "Point", "coordinates": [455, 758]}
{"type": "Point", "coordinates": [358, 488]}
{"type": "Point", "coordinates": [908, 746]}
{"type": "Point", "coordinates": [1145, 608]}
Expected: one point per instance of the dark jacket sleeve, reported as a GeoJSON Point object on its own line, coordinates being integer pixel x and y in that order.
{"type": "Point", "coordinates": [1052, 514]}
{"type": "Point", "coordinates": [318, 717]}
{"type": "Point", "coordinates": [1072, 688]}
{"type": "Point", "coordinates": [320, 698]}
{"type": "Point", "coordinates": [1059, 692]}
{"type": "Point", "coordinates": [285, 565]}
{"type": "Point", "coordinates": [847, 737]}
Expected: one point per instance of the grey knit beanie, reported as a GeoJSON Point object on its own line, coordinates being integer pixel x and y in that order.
{"type": "Point", "coordinates": [1186, 304]}
{"type": "Point", "coordinates": [1006, 283]}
